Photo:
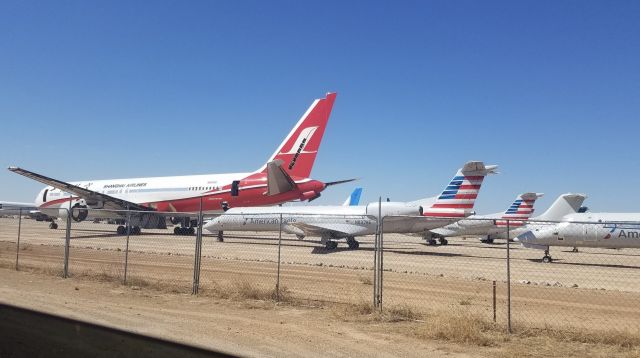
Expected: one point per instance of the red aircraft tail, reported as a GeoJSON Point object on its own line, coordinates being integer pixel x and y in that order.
{"type": "Point", "coordinates": [299, 149]}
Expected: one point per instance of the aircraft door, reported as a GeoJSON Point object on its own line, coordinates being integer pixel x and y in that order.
{"type": "Point", "coordinates": [590, 232]}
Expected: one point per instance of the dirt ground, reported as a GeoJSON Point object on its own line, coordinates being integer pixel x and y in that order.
{"type": "Point", "coordinates": [255, 328]}
{"type": "Point", "coordinates": [596, 289]}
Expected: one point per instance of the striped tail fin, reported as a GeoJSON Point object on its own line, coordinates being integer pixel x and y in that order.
{"type": "Point", "coordinates": [458, 198]}
{"type": "Point", "coordinates": [520, 211]}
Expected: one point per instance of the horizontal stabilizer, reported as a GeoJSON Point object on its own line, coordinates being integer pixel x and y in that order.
{"type": "Point", "coordinates": [278, 181]}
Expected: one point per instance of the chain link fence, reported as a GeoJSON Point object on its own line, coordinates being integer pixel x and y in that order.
{"type": "Point", "coordinates": [594, 288]}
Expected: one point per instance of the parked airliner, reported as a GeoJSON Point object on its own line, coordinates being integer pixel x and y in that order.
{"type": "Point", "coordinates": [332, 223]}
{"type": "Point", "coordinates": [488, 225]}
{"type": "Point", "coordinates": [284, 177]}
{"type": "Point", "coordinates": [602, 230]}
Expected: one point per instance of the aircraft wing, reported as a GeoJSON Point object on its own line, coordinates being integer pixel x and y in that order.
{"type": "Point", "coordinates": [93, 198]}
{"type": "Point", "coordinates": [417, 224]}
{"type": "Point", "coordinates": [336, 230]}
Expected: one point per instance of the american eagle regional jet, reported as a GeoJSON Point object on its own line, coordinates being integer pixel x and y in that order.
{"type": "Point", "coordinates": [284, 177]}
{"type": "Point", "coordinates": [332, 223]}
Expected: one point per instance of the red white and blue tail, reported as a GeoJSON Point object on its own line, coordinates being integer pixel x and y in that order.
{"type": "Point", "coordinates": [520, 211]}
{"type": "Point", "coordinates": [459, 197]}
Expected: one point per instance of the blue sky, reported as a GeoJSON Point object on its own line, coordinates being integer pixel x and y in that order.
{"type": "Point", "coordinates": [550, 91]}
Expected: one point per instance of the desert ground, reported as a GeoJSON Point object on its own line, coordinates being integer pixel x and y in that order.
{"type": "Point", "coordinates": [594, 290]}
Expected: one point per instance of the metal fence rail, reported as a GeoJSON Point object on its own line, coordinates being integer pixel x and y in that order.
{"type": "Point", "coordinates": [594, 288]}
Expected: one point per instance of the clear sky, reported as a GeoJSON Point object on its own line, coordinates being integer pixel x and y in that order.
{"type": "Point", "coordinates": [549, 90]}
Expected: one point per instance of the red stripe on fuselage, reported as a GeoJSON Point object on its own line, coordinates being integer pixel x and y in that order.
{"type": "Point", "coordinates": [453, 206]}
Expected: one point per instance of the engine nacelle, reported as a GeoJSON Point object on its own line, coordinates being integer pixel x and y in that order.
{"type": "Point", "coordinates": [394, 208]}
{"type": "Point", "coordinates": [79, 212]}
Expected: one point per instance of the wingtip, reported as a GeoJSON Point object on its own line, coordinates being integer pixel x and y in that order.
{"type": "Point", "coordinates": [12, 168]}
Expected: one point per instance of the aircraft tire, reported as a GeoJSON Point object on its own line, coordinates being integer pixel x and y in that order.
{"type": "Point", "coordinates": [444, 242]}
{"type": "Point", "coordinates": [176, 230]}
{"type": "Point", "coordinates": [431, 242]}
{"type": "Point", "coordinates": [547, 259]}
{"type": "Point", "coordinates": [135, 230]}
{"type": "Point", "coordinates": [331, 245]}
{"type": "Point", "coordinates": [220, 236]}
{"type": "Point", "coordinates": [53, 225]}
{"type": "Point", "coordinates": [121, 230]}
{"type": "Point", "coordinates": [191, 231]}
{"type": "Point", "coordinates": [353, 244]}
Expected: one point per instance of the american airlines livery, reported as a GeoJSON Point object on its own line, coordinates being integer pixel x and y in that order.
{"type": "Point", "coordinates": [284, 177]}
{"type": "Point", "coordinates": [603, 230]}
{"type": "Point", "coordinates": [332, 223]}
{"type": "Point", "coordinates": [488, 225]}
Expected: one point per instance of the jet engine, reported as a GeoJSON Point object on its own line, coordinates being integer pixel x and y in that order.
{"type": "Point", "coordinates": [79, 212]}
{"type": "Point", "coordinates": [394, 208]}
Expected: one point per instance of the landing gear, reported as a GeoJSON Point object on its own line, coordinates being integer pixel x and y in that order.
{"type": "Point", "coordinates": [134, 230]}
{"type": "Point", "coordinates": [53, 225]}
{"type": "Point", "coordinates": [575, 249]}
{"type": "Point", "coordinates": [431, 242]}
{"type": "Point", "coordinates": [184, 231]}
{"type": "Point", "coordinates": [331, 245]}
{"type": "Point", "coordinates": [547, 258]}
{"type": "Point", "coordinates": [443, 241]}
{"type": "Point", "coordinates": [488, 240]}
{"type": "Point", "coordinates": [220, 236]}
{"type": "Point", "coordinates": [353, 243]}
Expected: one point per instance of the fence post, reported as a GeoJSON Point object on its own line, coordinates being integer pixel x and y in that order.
{"type": "Point", "coordinates": [381, 264]}
{"type": "Point", "coordinates": [198, 254]}
{"type": "Point", "coordinates": [279, 249]}
{"type": "Point", "coordinates": [494, 301]}
{"type": "Point", "coordinates": [375, 263]}
{"type": "Point", "coordinates": [508, 279]}
{"type": "Point", "coordinates": [126, 249]}
{"type": "Point", "coordinates": [18, 243]}
{"type": "Point", "coordinates": [67, 239]}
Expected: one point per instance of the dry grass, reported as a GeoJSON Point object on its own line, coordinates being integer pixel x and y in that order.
{"type": "Point", "coordinates": [244, 290]}
{"type": "Point", "coordinates": [364, 311]}
{"type": "Point", "coordinates": [466, 328]}
{"type": "Point", "coordinates": [366, 280]}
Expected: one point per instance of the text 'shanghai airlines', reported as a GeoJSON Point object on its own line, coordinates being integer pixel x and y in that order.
{"type": "Point", "coordinates": [284, 177]}
{"type": "Point", "coordinates": [332, 223]}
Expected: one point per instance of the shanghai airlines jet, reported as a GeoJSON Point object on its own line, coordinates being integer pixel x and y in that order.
{"type": "Point", "coordinates": [332, 223]}
{"type": "Point", "coordinates": [602, 230]}
{"type": "Point", "coordinates": [488, 225]}
{"type": "Point", "coordinates": [284, 177]}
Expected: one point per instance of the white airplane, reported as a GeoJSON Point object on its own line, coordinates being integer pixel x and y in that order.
{"type": "Point", "coordinates": [601, 230]}
{"type": "Point", "coordinates": [284, 177]}
{"type": "Point", "coordinates": [488, 225]}
{"type": "Point", "coordinates": [332, 223]}
{"type": "Point", "coordinates": [565, 204]}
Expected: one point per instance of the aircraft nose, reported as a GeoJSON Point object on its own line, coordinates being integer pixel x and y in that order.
{"type": "Point", "coordinates": [212, 225]}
